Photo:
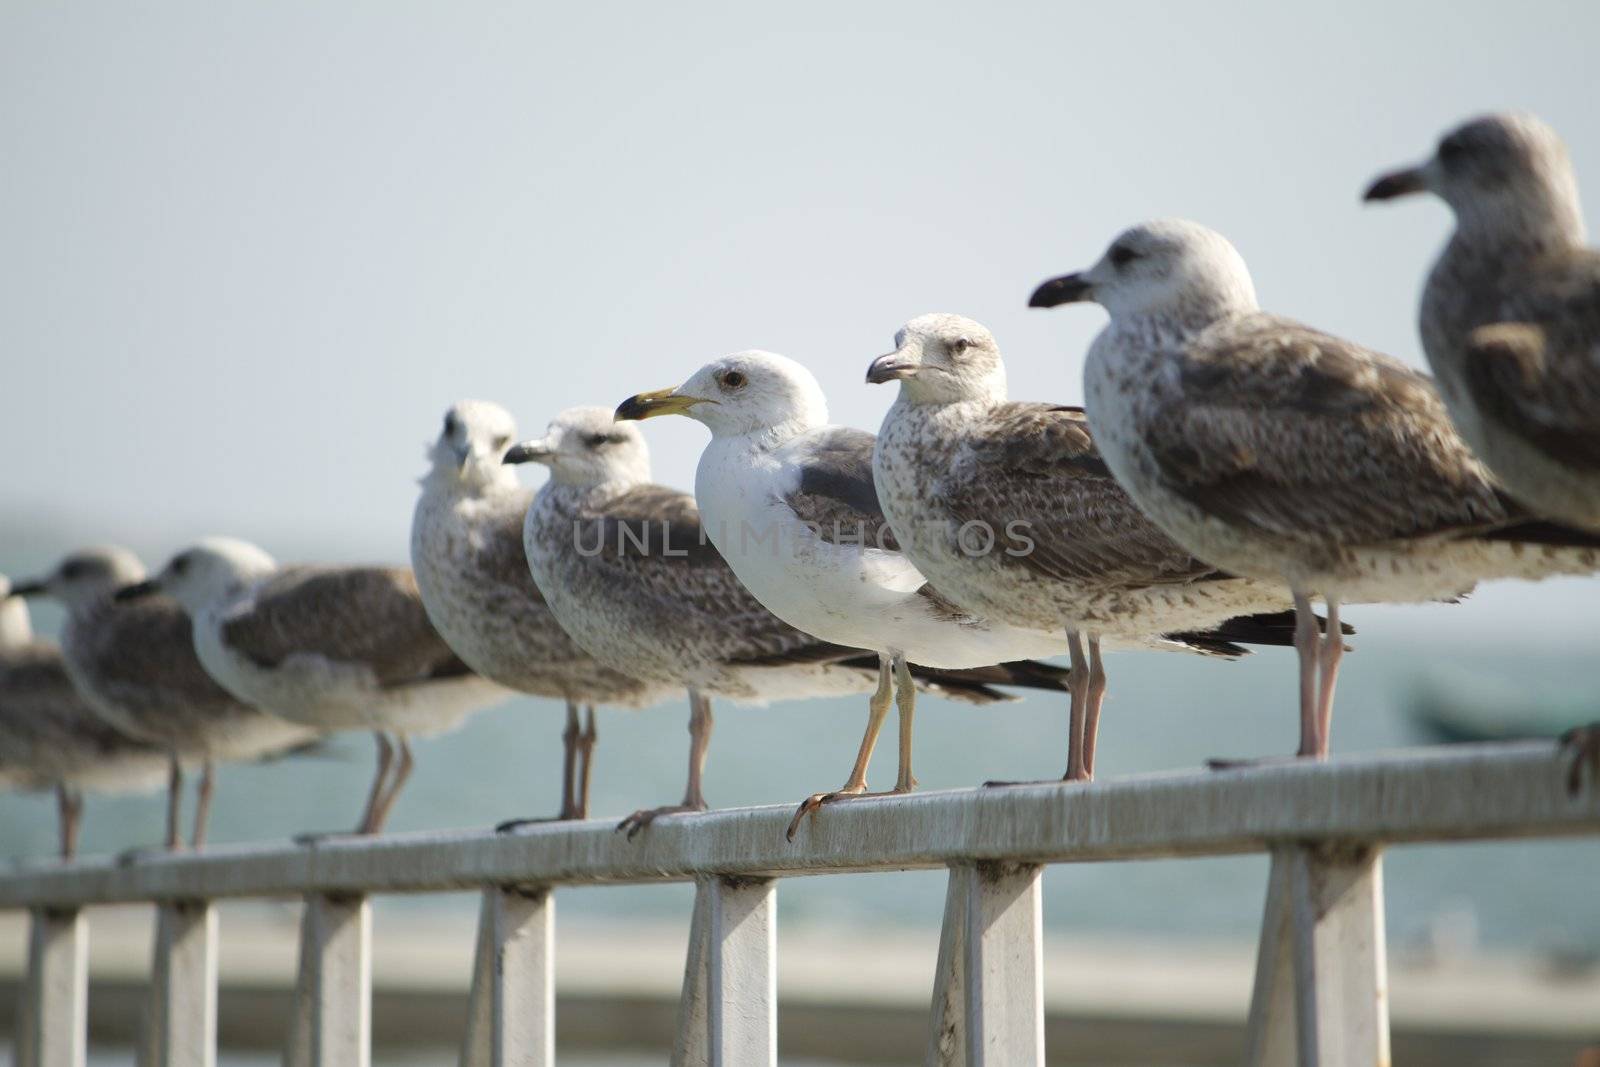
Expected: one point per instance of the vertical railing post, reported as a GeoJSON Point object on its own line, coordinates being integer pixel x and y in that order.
{"type": "Point", "coordinates": [511, 1008]}
{"type": "Point", "coordinates": [181, 1023]}
{"type": "Point", "coordinates": [1321, 988]}
{"type": "Point", "coordinates": [728, 1016]}
{"type": "Point", "coordinates": [988, 995]}
{"type": "Point", "coordinates": [53, 1028]}
{"type": "Point", "coordinates": [331, 1024]}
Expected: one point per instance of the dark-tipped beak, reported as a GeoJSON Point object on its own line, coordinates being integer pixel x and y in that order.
{"type": "Point", "coordinates": [1067, 289]}
{"type": "Point", "coordinates": [31, 587]}
{"type": "Point", "coordinates": [892, 367]}
{"type": "Point", "coordinates": [145, 588]}
{"type": "Point", "coordinates": [527, 452]}
{"type": "Point", "coordinates": [1397, 183]}
{"type": "Point", "coordinates": [657, 402]}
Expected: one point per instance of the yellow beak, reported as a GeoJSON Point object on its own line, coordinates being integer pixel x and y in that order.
{"type": "Point", "coordinates": [659, 402]}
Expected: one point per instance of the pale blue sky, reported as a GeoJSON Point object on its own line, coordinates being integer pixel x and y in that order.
{"type": "Point", "coordinates": [252, 251]}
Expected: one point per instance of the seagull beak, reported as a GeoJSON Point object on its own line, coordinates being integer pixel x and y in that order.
{"type": "Point", "coordinates": [660, 402]}
{"type": "Point", "coordinates": [892, 367]}
{"type": "Point", "coordinates": [31, 587]}
{"type": "Point", "coordinates": [1397, 183]}
{"type": "Point", "coordinates": [535, 451]}
{"type": "Point", "coordinates": [148, 587]}
{"type": "Point", "coordinates": [1067, 289]}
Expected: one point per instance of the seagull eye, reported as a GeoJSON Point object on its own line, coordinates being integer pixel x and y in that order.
{"type": "Point", "coordinates": [733, 380]}
{"type": "Point", "coordinates": [72, 570]}
{"type": "Point", "coordinates": [1122, 255]}
{"type": "Point", "coordinates": [961, 344]}
{"type": "Point", "coordinates": [180, 564]}
{"type": "Point", "coordinates": [1451, 151]}
{"type": "Point", "coordinates": [596, 440]}
{"type": "Point", "coordinates": [501, 443]}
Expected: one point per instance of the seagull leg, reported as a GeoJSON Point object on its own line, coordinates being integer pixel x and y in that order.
{"type": "Point", "coordinates": [1305, 644]}
{"type": "Point", "coordinates": [375, 795]}
{"type": "Point", "coordinates": [402, 774]}
{"type": "Point", "coordinates": [1584, 744]}
{"type": "Point", "coordinates": [69, 806]}
{"type": "Point", "coordinates": [1079, 687]}
{"type": "Point", "coordinates": [569, 763]}
{"type": "Point", "coordinates": [174, 803]}
{"type": "Point", "coordinates": [856, 784]}
{"type": "Point", "coordinates": [174, 839]}
{"type": "Point", "coordinates": [905, 697]}
{"type": "Point", "coordinates": [586, 743]}
{"type": "Point", "coordinates": [700, 723]}
{"type": "Point", "coordinates": [1331, 653]}
{"type": "Point", "coordinates": [570, 739]}
{"type": "Point", "coordinates": [1312, 648]}
{"type": "Point", "coordinates": [1094, 698]}
{"type": "Point", "coordinates": [202, 804]}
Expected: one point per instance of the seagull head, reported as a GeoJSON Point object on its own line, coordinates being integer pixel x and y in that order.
{"type": "Point", "coordinates": [745, 393]}
{"type": "Point", "coordinates": [943, 359]}
{"type": "Point", "coordinates": [472, 443]}
{"type": "Point", "coordinates": [584, 447]}
{"type": "Point", "coordinates": [206, 573]}
{"type": "Point", "coordinates": [1507, 173]}
{"type": "Point", "coordinates": [86, 577]}
{"type": "Point", "coordinates": [1167, 269]}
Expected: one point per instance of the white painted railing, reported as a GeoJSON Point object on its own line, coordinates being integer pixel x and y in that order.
{"type": "Point", "coordinates": [1320, 994]}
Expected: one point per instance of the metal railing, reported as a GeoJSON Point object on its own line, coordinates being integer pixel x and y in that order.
{"type": "Point", "coordinates": [1320, 990]}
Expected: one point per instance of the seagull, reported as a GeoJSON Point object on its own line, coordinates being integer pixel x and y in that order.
{"type": "Point", "coordinates": [1285, 454]}
{"type": "Point", "coordinates": [629, 573]}
{"type": "Point", "coordinates": [330, 647]}
{"type": "Point", "coordinates": [1511, 311]}
{"type": "Point", "coordinates": [1009, 510]}
{"type": "Point", "coordinates": [50, 739]}
{"type": "Point", "coordinates": [466, 549]}
{"type": "Point", "coordinates": [135, 665]}
{"type": "Point", "coordinates": [788, 501]}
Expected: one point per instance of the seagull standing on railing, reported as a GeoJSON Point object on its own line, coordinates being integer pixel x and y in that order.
{"type": "Point", "coordinates": [135, 665]}
{"type": "Point", "coordinates": [50, 739]}
{"type": "Point", "coordinates": [466, 549]}
{"type": "Point", "coordinates": [788, 501]}
{"type": "Point", "coordinates": [625, 567]}
{"type": "Point", "coordinates": [331, 648]}
{"type": "Point", "coordinates": [1278, 452]}
{"type": "Point", "coordinates": [1511, 312]}
{"type": "Point", "coordinates": [1071, 554]}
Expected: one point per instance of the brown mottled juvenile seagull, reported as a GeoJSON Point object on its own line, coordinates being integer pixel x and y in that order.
{"type": "Point", "coordinates": [332, 647]}
{"type": "Point", "coordinates": [1069, 553]}
{"type": "Point", "coordinates": [1279, 452]}
{"type": "Point", "coordinates": [50, 738]}
{"type": "Point", "coordinates": [1510, 316]}
{"type": "Point", "coordinates": [135, 665]}
{"type": "Point", "coordinates": [466, 547]}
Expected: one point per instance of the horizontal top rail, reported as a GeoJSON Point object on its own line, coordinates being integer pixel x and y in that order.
{"type": "Point", "coordinates": [1460, 792]}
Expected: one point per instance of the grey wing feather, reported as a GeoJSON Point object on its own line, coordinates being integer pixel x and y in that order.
{"type": "Point", "coordinates": [142, 654]}
{"type": "Point", "coordinates": [1536, 371]}
{"type": "Point", "coordinates": [41, 714]}
{"type": "Point", "coordinates": [368, 615]}
{"type": "Point", "coordinates": [1033, 474]}
{"type": "Point", "coordinates": [836, 496]}
{"type": "Point", "coordinates": [1310, 438]}
{"type": "Point", "coordinates": [686, 578]}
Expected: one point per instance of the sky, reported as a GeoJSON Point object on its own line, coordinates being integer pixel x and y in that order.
{"type": "Point", "coordinates": [252, 251]}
